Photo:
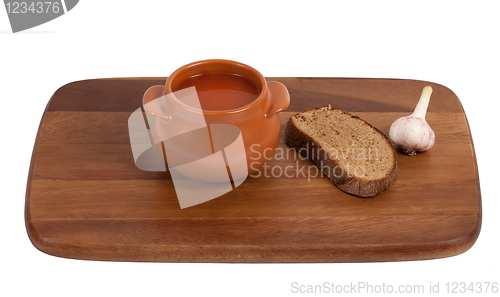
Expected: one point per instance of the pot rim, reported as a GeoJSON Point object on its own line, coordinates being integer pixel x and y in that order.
{"type": "Point", "coordinates": [226, 63]}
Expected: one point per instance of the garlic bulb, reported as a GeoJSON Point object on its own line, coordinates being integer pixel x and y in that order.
{"type": "Point", "coordinates": [412, 132]}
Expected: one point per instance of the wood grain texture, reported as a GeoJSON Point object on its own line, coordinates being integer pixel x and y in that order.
{"type": "Point", "coordinates": [86, 199]}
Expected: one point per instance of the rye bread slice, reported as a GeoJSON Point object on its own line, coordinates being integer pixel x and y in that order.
{"type": "Point", "coordinates": [354, 155]}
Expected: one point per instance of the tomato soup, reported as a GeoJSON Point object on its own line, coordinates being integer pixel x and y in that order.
{"type": "Point", "coordinates": [221, 91]}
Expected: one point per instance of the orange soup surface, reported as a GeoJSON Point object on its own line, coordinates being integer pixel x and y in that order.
{"type": "Point", "coordinates": [221, 91]}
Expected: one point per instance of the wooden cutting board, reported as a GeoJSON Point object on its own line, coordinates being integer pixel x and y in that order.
{"type": "Point", "coordinates": [86, 199]}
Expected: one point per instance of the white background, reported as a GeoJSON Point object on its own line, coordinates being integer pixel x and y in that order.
{"type": "Point", "coordinates": [454, 43]}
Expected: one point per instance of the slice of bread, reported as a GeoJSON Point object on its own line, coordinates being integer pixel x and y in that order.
{"type": "Point", "coordinates": [354, 155]}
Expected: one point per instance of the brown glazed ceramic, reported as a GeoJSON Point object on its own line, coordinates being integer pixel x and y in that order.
{"type": "Point", "coordinates": [258, 121]}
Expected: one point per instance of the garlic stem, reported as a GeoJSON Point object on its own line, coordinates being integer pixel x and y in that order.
{"type": "Point", "coordinates": [423, 103]}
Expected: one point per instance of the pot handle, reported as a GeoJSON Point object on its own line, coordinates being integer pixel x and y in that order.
{"type": "Point", "coordinates": [153, 103]}
{"type": "Point", "coordinates": [279, 98]}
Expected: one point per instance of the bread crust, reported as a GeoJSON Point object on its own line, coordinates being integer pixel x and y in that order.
{"type": "Point", "coordinates": [298, 139]}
